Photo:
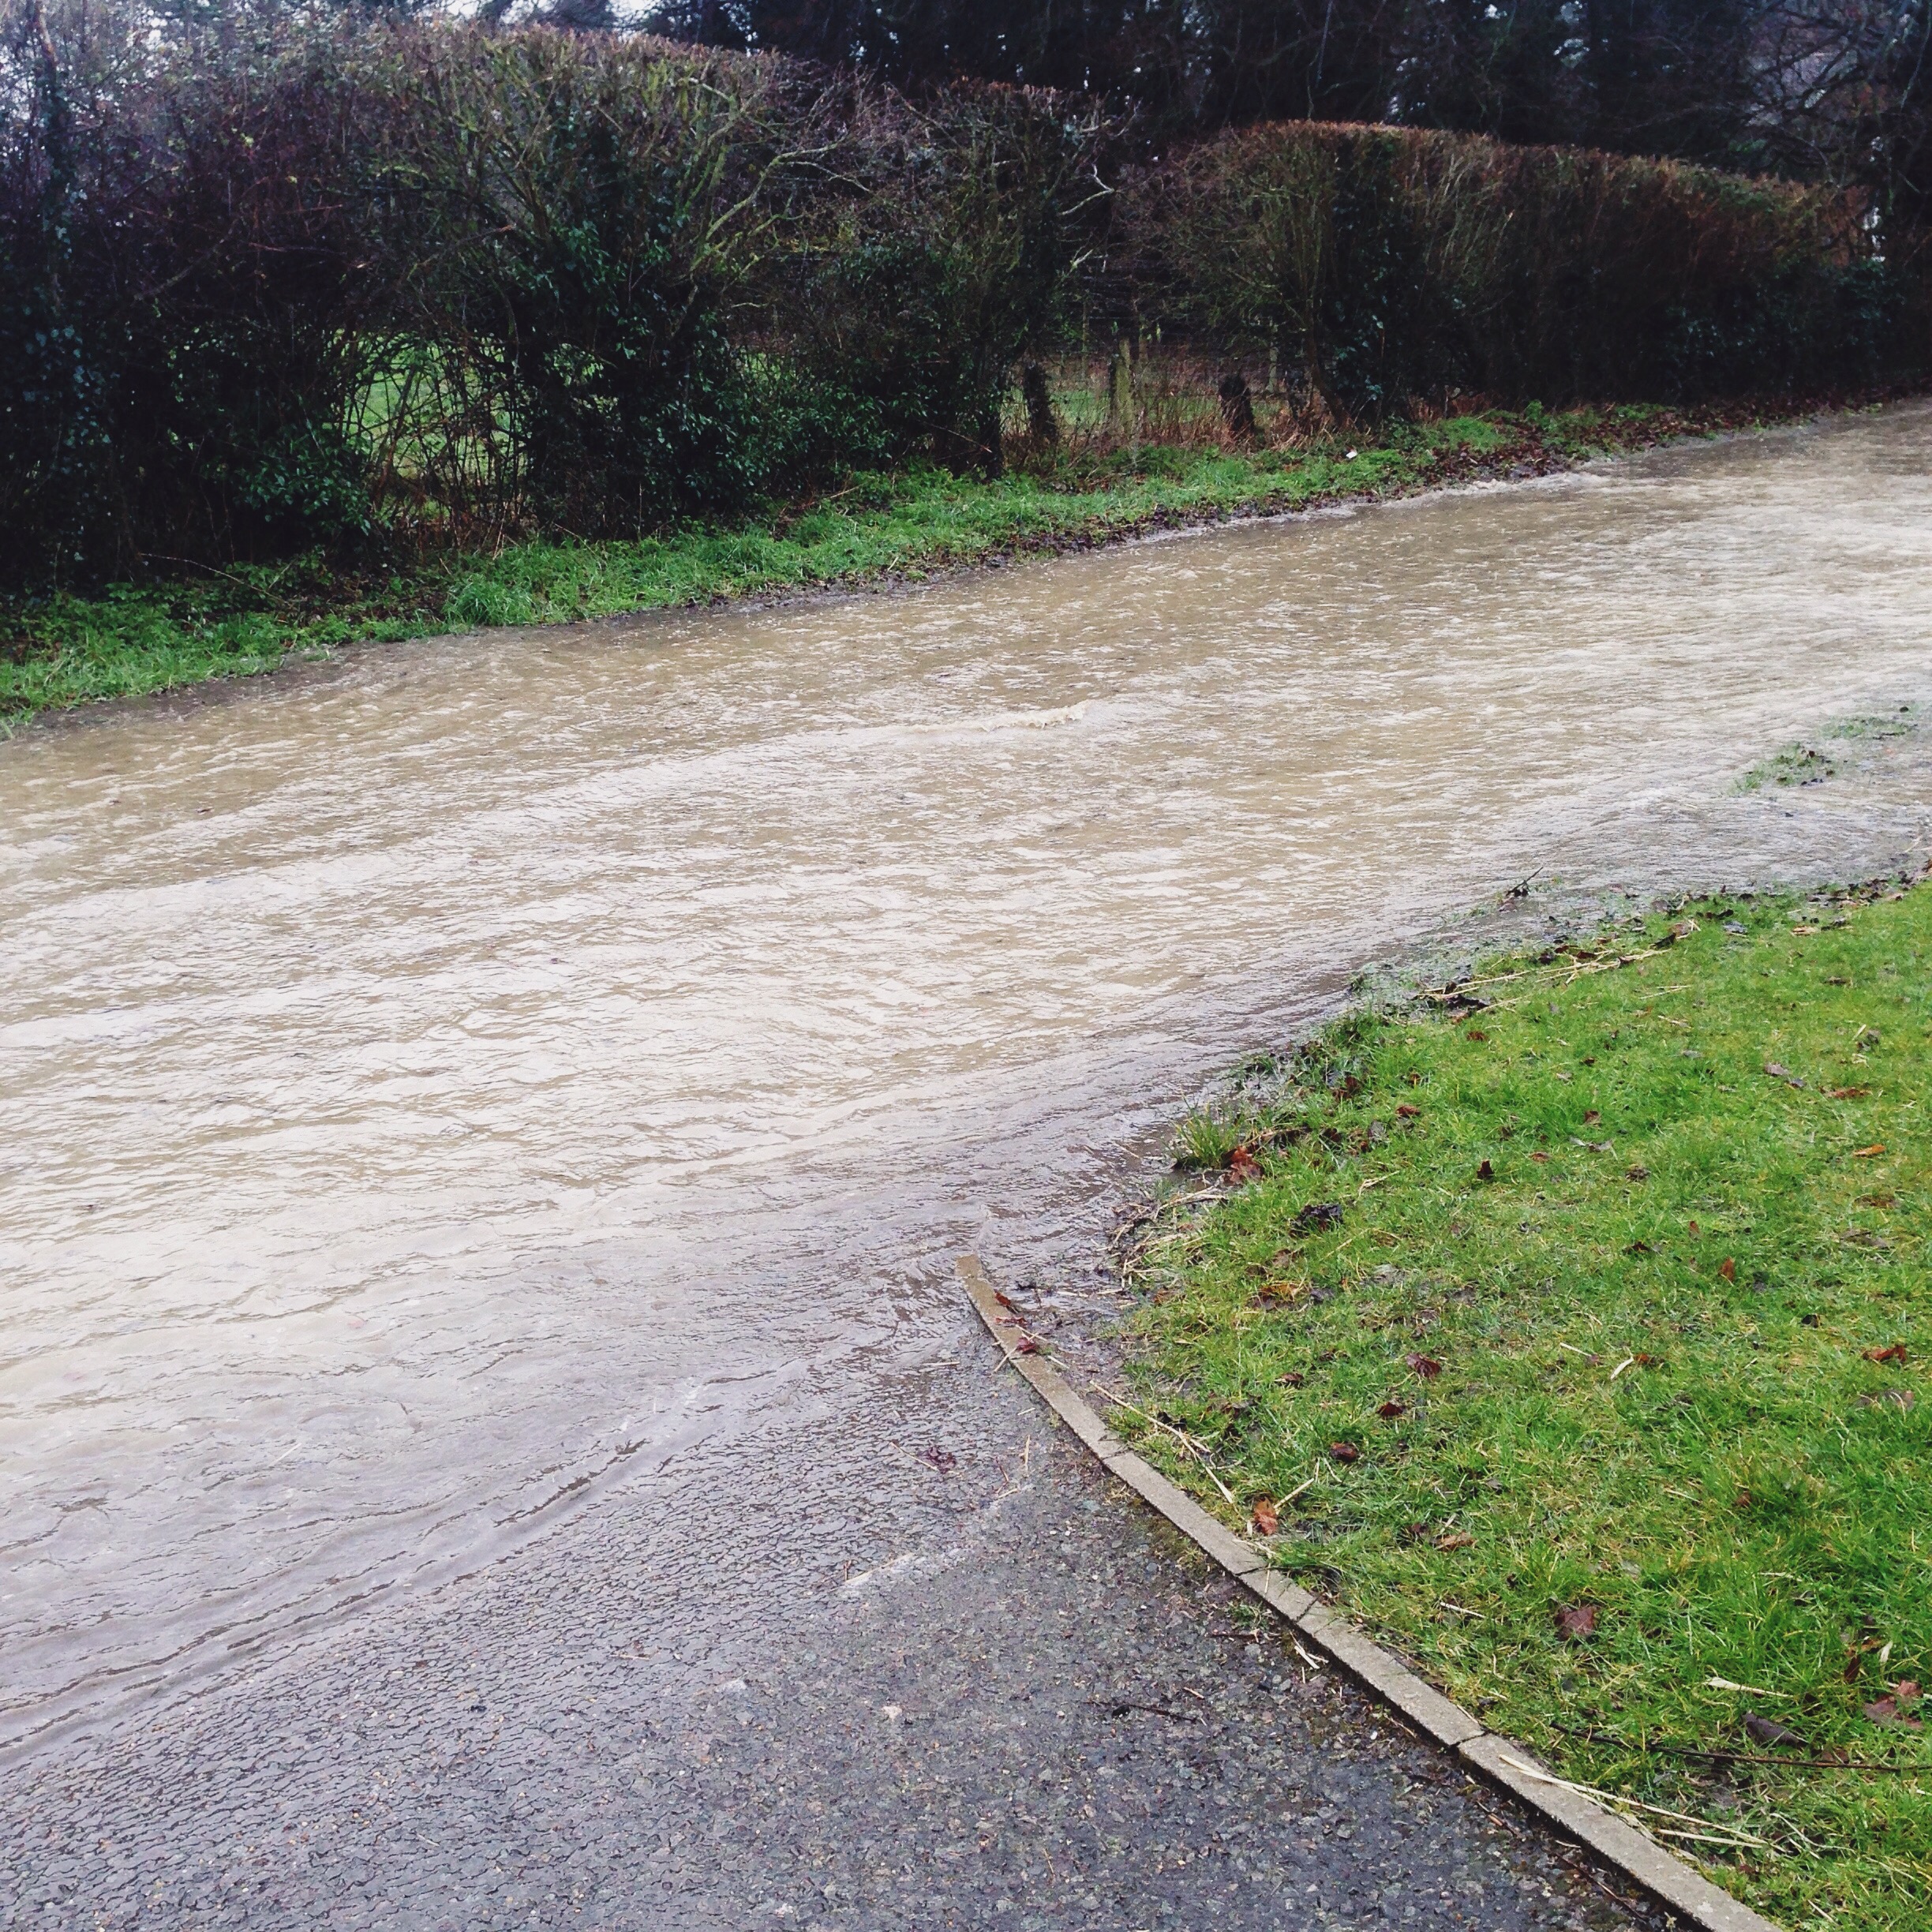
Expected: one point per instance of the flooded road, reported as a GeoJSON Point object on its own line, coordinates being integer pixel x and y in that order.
{"type": "Point", "coordinates": [454, 1088]}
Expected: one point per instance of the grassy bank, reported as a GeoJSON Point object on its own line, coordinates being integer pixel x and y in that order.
{"type": "Point", "coordinates": [156, 636]}
{"type": "Point", "coordinates": [1572, 1332]}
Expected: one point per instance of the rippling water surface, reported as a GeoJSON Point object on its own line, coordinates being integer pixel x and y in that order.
{"type": "Point", "coordinates": [439, 1085]}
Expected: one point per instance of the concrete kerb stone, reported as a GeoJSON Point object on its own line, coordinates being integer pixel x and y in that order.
{"type": "Point", "coordinates": [1285, 1598]}
{"type": "Point", "coordinates": [1009, 1332]}
{"type": "Point", "coordinates": [1422, 1703]}
{"type": "Point", "coordinates": [1511, 1765]}
{"type": "Point", "coordinates": [1616, 1841]}
{"type": "Point", "coordinates": [1237, 1558]}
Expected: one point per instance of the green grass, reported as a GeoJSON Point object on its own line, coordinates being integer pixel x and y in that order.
{"type": "Point", "coordinates": [69, 649]}
{"type": "Point", "coordinates": [1840, 744]}
{"type": "Point", "coordinates": [1627, 1314]}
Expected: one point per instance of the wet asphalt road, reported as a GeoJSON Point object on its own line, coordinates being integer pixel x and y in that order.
{"type": "Point", "coordinates": [1049, 1715]}
{"type": "Point", "coordinates": [958, 1679]}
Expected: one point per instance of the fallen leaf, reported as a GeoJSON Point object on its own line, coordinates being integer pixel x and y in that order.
{"type": "Point", "coordinates": [1026, 1345]}
{"type": "Point", "coordinates": [1778, 1071]}
{"type": "Point", "coordinates": [1426, 1366]}
{"type": "Point", "coordinates": [1280, 1293]}
{"type": "Point", "coordinates": [1475, 1035]}
{"type": "Point", "coordinates": [1896, 1398]}
{"type": "Point", "coordinates": [1344, 1452]}
{"type": "Point", "coordinates": [1485, 1172]}
{"type": "Point", "coordinates": [1316, 1214]}
{"type": "Point", "coordinates": [1407, 1112]}
{"type": "Point", "coordinates": [1845, 1093]}
{"type": "Point", "coordinates": [1769, 1731]}
{"type": "Point", "coordinates": [1462, 1540]}
{"type": "Point", "coordinates": [1636, 1172]}
{"type": "Point", "coordinates": [1266, 1520]}
{"type": "Point", "coordinates": [1742, 1500]}
{"type": "Point", "coordinates": [1639, 1248]}
{"type": "Point", "coordinates": [1597, 1147]}
{"type": "Point", "coordinates": [1574, 1621]}
{"type": "Point", "coordinates": [1242, 1167]}
{"type": "Point", "coordinates": [1589, 1115]}
{"type": "Point", "coordinates": [1804, 932]}
{"type": "Point", "coordinates": [1878, 1147]}
{"type": "Point", "coordinates": [1726, 1269]}
{"type": "Point", "coordinates": [1543, 1158]}
{"type": "Point", "coordinates": [1884, 1711]}
{"type": "Point", "coordinates": [1906, 1690]}
{"type": "Point", "coordinates": [941, 1459]}
{"type": "Point", "coordinates": [1894, 1352]}
{"type": "Point", "coordinates": [1561, 1076]}
{"type": "Point", "coordinates": [1292, 1379]}
{"type": "Point", "coordinates": [1389, 1410]}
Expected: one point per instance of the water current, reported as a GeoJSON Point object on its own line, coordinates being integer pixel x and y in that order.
{"type": "Point", "coordinates": [438, 1085]}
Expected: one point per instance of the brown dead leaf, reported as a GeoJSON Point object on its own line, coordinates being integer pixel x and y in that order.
{"type": "Point", "coordinates": [1475, 1034]}
{"type": "Point", "coordinates": [1426, 1366]}
{"type": "Point", "coordinates": [1485, 1172]}
{"type": "Point", "coordinates": [1543, 1159]}
{"type": "Point", "coordinates": [1344, 1452]}
{"type": "Point", "coordinates": [1389, 1410]}
{"type": "Point", "coordinates": [1242, 1167]}
{"type": "Point", "coordinates": [1636, 1171]}
{"type": "Point", "coordinates": [1591, 1114]}
{"type": "Point", "coordinates": [1279, 1293]}
{"type": "Point", "coordinates": [1892, 1352]}
{"type": "Point", "coordinates": [1267, 1520]}
{"type": "Point", "coordinates": [1405, 1111]}
{"type": "Point", "coordinates": [1727, 1269]}
{"type": "Point", "coordinates": [1884, 1711]}
{"type": "Point", "coordinates": [1769, 1731]}
{"type": "Point", "coordinates": [1878, 1147]}
{"type": "Point", "coordinates": [1574, 1621]}
{"type": "Point", "coordinates": [1292, 1379]}
{"type": "Point", "coordinates": [1779, 1071]}
{"type": "Point", "coordinates": [1845, 1093]}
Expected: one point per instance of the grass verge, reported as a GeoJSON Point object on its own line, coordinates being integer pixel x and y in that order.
{"type": "Point", "coordinates": [156, 635]}
{"type": "Point", "coordinates": [1570, 1330]}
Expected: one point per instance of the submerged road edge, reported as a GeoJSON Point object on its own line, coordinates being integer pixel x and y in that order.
{"type": "Point", "coordinates": [1500, 1760]}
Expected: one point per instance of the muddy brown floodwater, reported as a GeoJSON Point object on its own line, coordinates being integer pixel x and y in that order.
{"type": "Point", "coordinates": [473, 1083]}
